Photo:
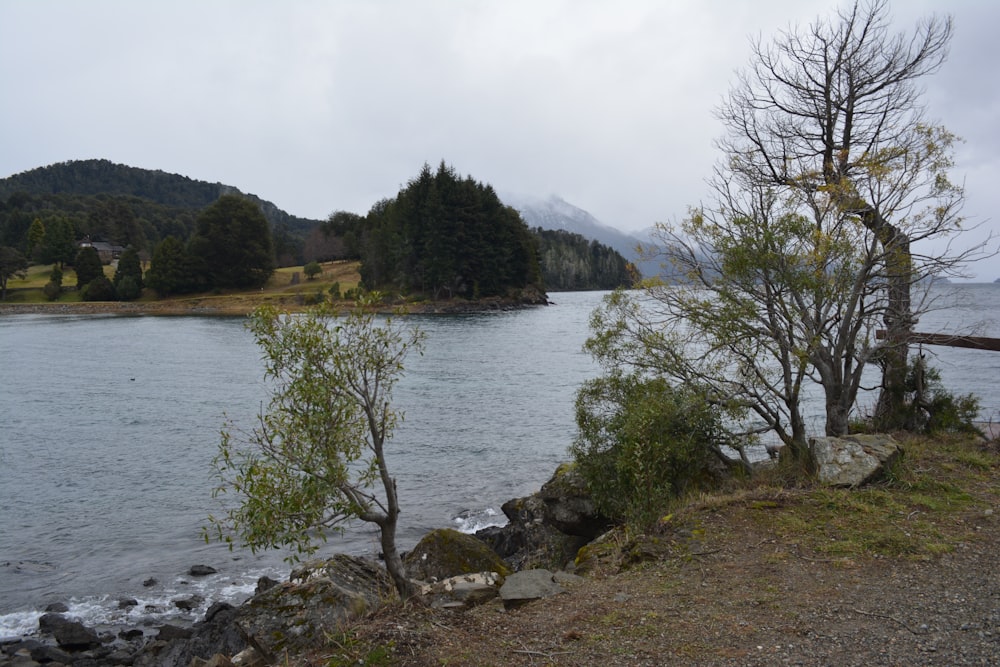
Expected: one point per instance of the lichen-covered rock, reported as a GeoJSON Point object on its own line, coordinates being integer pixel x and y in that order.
{"type": "Point", "coordinates": [546, 529]}
{"type": "Point", "coordinates": [462, 592]}
{"type": "Point", "coordinates": [853, 460]}
{"type": "Point", "coordinates": [317, 599]}
{"type": "Point", "coordinates": [445, 553]}
{"type": "Point", "coordinates": [523, 587]}
{"type": "Point", "coordinates": [569, 506]}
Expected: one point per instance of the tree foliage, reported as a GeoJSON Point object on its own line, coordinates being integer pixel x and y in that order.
{"type": "Point", "coordinates": [232, 244]}
{"type": "Point", "coordinates": [796, 261]}
{"type": "Point", "coordinates": [642, 442]}
{"type": "Point", "coordinates": [444, 236]}
{"type": "Point", "coordinates": [571, 262]}
{"type": "Point", "coordinates": [311, 462]}
{"type": "Point", "coordinates": [172, 270]}
{"type": "Point", "coordinates": [834, 113]}
{"type": "Point", "coordinates": [127, 206]}
{"type": "Point", "coordinates": [99, 289]}
{"type": "Point", "coordinates": [88, 266]}
{"type": "Point", "coordinates": [12, 264]}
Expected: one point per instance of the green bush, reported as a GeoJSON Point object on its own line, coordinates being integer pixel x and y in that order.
{"type": "Point", "coordinates": [99, 289]}
{"type": "Point", "coordinates": [128, 289]}
{"type": "Point", "coordinates": [933, 409]}
{"type": "Point", "coordinates": [52, 290]}
{"type": "Point", "coordinates": [642, 442]}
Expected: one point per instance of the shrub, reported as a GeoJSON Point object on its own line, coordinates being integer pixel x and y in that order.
{"type": "Point", "coordinates": [128, 289]}
{"type": "Point", "coordinates": [642, 442]}
{"type": "Point", "coordinates": [52, 290]}
{"type": "Point", "coordinates": [99, 289]}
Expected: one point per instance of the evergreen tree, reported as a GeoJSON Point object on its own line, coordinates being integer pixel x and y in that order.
{"type": "Point", "coordinates": [128, 266]}
{"type": "Point", "coordinates": [171, 269]}
{"type": "Point", "coordinates": [88, 266]}
{"type": "Point", "coordinates": [233, 244]}
{"type": "Point", "coordinates": [447, 236]}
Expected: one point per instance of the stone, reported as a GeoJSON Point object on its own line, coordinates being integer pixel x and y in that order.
{"type": "Point", "coordinates": [249, 657]}
{"type": "Point", "coordinates": [265, 583]}
{"type": "Point", "coordinates": [69, 635]}
{"type": "Point", "coordinates": [528, 541]}
{"type": "Point", "coordinates": [126, 603]}
{"type": "Point", "coordinates": [462, 592]}
{"type": "Point", "coordinates": [568, 504]}
{"type": "Point", "coordinates": [215, 609]}
{"type": "Point", "coordinates": [446, 552]}
{"type": "Point", "coordinates": [46, 653]}
{"type": "Point", "coordinates": [169, 632]}
{"type": "Point", "coordinates": [319, 598]}
{"type": "Point", "coordinates": [57, 608]}
{"type": "Point", "coordinates": [853, 460]}
{"type": "Point", "coordinates": [523, 587]}
{"type": "Point", "coordinates": [201, 570]}
{"type": "Point", "coordinates": [189, 603]}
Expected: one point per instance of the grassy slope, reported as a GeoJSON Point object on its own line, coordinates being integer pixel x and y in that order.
{"type": "Point", "coordinates": [27, 293]}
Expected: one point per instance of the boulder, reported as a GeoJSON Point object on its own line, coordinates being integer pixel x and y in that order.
{"type": "Point", "coordinates": [318, 598]}
{"type": "Point", "coordinates": [853, 460]}
{"type": "Point", "coordinates": [522, 587]}
{"type": "Point", "coordinates": [535, 535]}
{"type": "Point", "coordinates": [201, 570]}
{"type": "Point", "coordinates": [446, 552]}
{"type": "Point", "coordinates": [69, 635]}
{"type": "Point", "coordinates": [462, 592]}
{"type": "Point", "coordinates": [568, 504]}
{"type": "Point", "coordinates": [178, 647]}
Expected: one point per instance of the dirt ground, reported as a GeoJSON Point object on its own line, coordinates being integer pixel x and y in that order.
{"type": "Point", "coordinates": [739, 582]}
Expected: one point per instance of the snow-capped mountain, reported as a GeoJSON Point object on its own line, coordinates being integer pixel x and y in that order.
{"type": "Point", "coordinates": [556, 213]}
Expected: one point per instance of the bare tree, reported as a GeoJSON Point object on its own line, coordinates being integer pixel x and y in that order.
{"type": "Point", "coordinates": [834, 111]}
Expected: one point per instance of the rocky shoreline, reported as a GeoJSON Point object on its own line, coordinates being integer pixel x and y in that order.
{"type": "Point", "coordinates": [522, 561]}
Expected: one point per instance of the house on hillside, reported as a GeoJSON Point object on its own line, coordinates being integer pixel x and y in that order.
{"type": "Point", "coordinates": [108, 252]}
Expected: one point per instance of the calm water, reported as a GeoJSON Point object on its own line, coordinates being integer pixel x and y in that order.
{"type": "Point", "coordinates": [109, 425]}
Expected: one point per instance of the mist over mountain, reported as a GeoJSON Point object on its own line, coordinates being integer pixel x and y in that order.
{"type": "Point", "coordinates": [554, 212]}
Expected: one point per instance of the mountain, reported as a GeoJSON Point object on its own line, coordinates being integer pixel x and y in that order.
{"type": "Point", "coordinates": [556, 213]}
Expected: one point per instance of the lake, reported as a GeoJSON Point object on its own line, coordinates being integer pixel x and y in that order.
{"type": "Point", "coordinates": [109, 426]}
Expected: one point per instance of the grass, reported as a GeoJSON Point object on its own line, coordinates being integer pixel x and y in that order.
{"type": "Point", "coordinates": [919, 512]}
{"type": "Point", "coordinates": [281, 290]}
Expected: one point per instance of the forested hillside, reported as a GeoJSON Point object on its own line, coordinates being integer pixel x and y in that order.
{"type": "Point", "coordinates": [126, 205]}
{"type": "Point", "coordinates": [572, 262]}
{"type": "Point", "coordinates": [442, 235]}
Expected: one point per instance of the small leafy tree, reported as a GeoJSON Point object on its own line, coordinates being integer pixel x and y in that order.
{"type": "Point", "coordinates": [308, 466]}
{"type": "Point", "coordinates": [312, 269]}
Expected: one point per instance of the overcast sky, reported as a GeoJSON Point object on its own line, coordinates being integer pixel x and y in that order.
{"type": "Point", "coordinates": [335, 104]}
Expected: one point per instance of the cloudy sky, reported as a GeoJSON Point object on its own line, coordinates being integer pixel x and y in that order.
{"type": "Point", "coordinates": [334, 104]}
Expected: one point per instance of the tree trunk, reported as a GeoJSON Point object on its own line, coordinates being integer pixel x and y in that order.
{"type": "Point", "coordinates": [889, 412]}
{"type": "Point", "coordinates": [393, 561]}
